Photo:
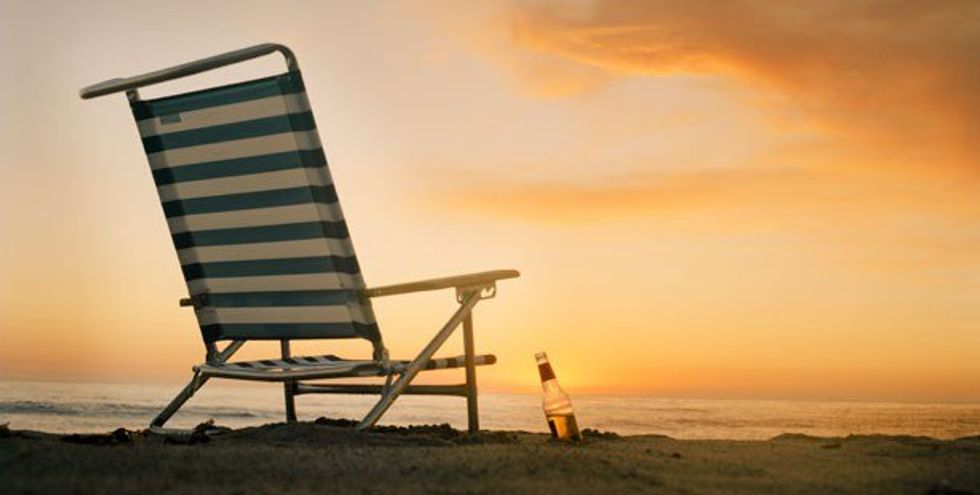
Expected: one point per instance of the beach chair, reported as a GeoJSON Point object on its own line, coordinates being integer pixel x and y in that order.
{"type": "Point", "coordinates": [263, 244]}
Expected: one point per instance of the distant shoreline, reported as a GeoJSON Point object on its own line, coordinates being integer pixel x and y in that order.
{"type": "Point", "coordinates": [317, 458]}
{"type": "Point", "coordinates": [87, 407]}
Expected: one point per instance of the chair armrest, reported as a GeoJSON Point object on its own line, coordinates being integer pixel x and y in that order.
{"type": "Point", "coordinates": [459, 281]}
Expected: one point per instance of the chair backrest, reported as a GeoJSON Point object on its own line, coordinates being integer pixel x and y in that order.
{"type": "Point", "coordinates": [253, 212]}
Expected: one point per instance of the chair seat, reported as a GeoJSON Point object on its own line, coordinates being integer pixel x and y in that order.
{"type": "Point", "coordinates": [323, 366]}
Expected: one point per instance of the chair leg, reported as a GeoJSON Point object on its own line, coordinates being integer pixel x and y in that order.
{"type": "Point", "coordinates": [472, 408]}
{"type": "Point", "coordinates": [195, 384]}
{"type": "Point", "coordinates": [183, 396]}
{"type": "Point", "coordinates": [418, 363]}
{"type": "Point", "coordinates": [289, 387]}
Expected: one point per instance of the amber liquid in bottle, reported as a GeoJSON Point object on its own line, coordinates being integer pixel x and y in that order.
{"type": "Point", "coordinates": [557, 404]}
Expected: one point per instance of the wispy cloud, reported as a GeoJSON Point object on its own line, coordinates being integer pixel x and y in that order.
{"type": "Point", "coordinates": [887, 90]}
{"type": "Point", "coordinates": [786, 198]}
{"type": "Point", "coordinates": [897, 69]}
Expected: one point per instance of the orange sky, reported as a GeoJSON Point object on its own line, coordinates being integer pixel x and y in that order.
{"type": "Point", "coordinates": [721, 200]}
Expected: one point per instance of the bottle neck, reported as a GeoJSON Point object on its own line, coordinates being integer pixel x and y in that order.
{"type": "Point", "coordinates": [544, 369]}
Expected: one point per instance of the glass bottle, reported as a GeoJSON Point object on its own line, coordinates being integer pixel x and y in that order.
{"type": "Point", "coordinates": [557, 404]}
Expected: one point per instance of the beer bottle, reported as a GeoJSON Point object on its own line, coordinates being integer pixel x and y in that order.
{"type": "Point", "coordinates": [557, 404]}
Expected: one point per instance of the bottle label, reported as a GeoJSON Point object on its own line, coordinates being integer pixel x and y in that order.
{"type": "Point", "coordinates": [546, 372]}
{"type": "Point", "coordinates": [564, 427]}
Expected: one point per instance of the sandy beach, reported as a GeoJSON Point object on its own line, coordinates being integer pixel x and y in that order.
{"type": "Point", "coordinates": [329, 457]}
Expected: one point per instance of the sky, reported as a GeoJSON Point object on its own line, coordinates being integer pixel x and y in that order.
{"type": "Point", "coordinates": [735, 200]}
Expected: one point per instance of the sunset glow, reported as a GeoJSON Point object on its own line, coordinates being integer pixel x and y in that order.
{"type": "Point", "coordinates": [767, 201]}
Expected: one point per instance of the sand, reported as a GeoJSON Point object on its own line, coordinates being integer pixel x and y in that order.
{"type": "Point", "coordinates": [331, 458]}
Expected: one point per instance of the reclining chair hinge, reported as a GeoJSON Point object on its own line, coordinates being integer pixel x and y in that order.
{"type": "Point", "coordinates": [198, 301]}
{"type": "Point", "coordinates": [483, 291]}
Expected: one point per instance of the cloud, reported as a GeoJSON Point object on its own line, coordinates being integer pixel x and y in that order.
{"type": "Point", "coordinates": [882, 218]}
{"type": "Point", "coordinates": [872, 141]}
{"type": "Point", "coordinates": [889, 70]}
{"type": "Point", "coordinates": [886, 92]}
{"type": "Point", "coordinates": [554, 77]}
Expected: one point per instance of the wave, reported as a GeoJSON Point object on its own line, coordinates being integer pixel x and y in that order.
{"type": "Point", "coordinates": [115, 409]}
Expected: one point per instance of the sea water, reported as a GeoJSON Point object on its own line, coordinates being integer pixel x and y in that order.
{"type": "Point", "coordinates": [95, 407]}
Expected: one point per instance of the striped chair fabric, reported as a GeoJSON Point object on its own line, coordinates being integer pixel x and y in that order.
{"type": "Point", "coordinates": [253, 213]}
{"type": "Point", "coordinates": [330, 365]}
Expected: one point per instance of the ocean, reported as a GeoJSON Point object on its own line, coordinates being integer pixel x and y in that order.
{"type": "Point", "coordinates": [100, 407]}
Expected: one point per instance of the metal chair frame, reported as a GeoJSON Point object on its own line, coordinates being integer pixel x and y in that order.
{"type": "Point", "coordinates": [470, 290]}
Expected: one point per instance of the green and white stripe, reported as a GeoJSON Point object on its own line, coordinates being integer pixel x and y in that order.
{"type": "Point", "coordinates": [328, 364]}
{"type": "Point", "coordinates": [253, 212]}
